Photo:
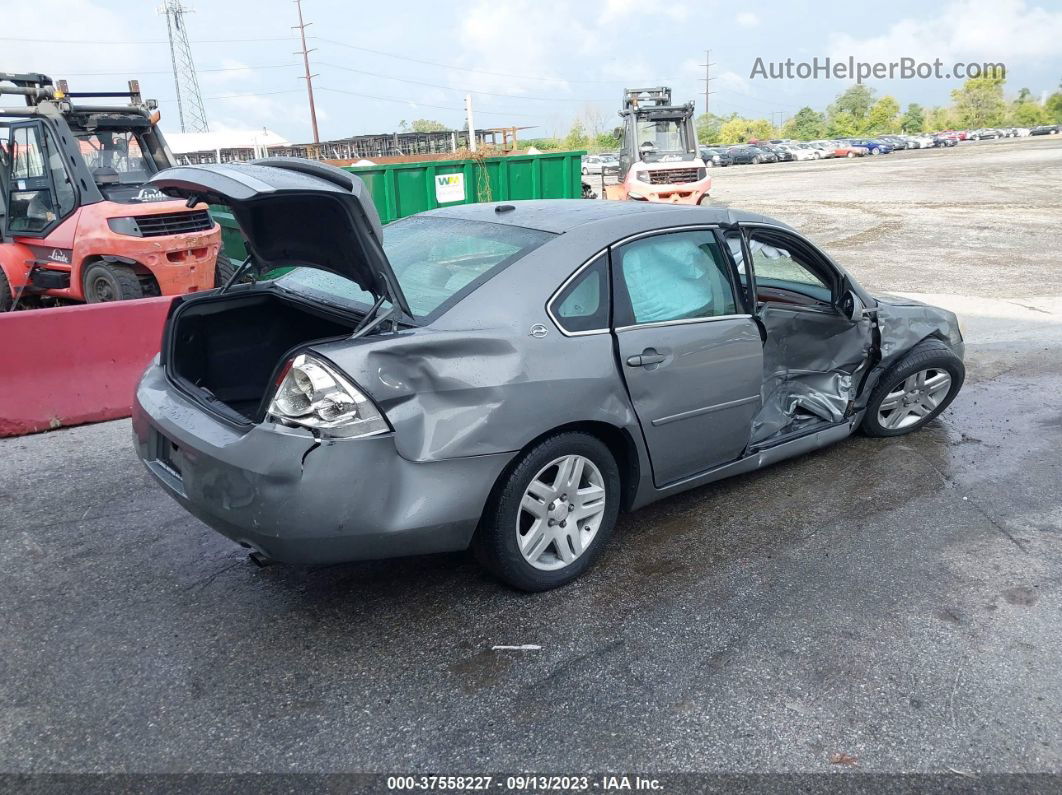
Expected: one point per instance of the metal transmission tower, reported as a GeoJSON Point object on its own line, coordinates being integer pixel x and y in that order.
{"type": "Point", "coordinates": [190, 109]}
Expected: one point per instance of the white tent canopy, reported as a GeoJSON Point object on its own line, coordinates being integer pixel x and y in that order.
{"type": "Point", "coordinates": [256, 140]}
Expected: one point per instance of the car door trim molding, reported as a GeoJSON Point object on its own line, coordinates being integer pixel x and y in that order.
{"type": "Point", "coordinates": [681, 322]}
{"type": "Point", "coordinates": [682, 415]}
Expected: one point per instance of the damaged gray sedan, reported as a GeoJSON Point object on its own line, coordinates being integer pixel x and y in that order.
{"type": "Point", "coordinates": [507, 376]}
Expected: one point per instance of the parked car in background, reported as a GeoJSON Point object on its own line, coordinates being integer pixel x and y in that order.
{"type": "Point", "coordinates": [715, 156]}
{"type": "Point", "coordinates": [848, 149]}
{"type": "Point", "coordinates": [802, 152]}
{"type": "Point", "coordinates": [873, 146]}
{"type": "Point", "coordinates": [895, 142]}
{"type": "Point", "coordinates": [574, 359]}
{"type": "Point", "coordinates": [599, 164]}
{"type": "Point", "coordinates": [825, 149]}
{"type": "Point", "coordinates": [780, 152]}
{"type": "Point", "coordinates": [747, 153]}
{"type": "Point", "coordinates": [946, 139]}
{"type": "Point", "coordinates": [924, 141]}
{"type": "Point", "coordinates": [1044, 129]}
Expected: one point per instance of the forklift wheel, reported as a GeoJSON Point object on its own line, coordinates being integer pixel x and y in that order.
{"type": "Point", "coordinates": [223, 270]}
{"type": "Point", "coordinates": [7, 300]}
{"type": "Point", "coordinates": [106, 282]}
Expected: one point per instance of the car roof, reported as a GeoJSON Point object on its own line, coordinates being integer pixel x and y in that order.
{"type": "Point", "coordinates": [563, 215]}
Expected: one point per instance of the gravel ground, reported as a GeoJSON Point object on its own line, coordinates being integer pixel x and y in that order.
{"type": "Point", "coordinates": [897, 601]}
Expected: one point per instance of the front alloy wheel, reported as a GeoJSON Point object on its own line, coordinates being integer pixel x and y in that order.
{"type": "Point", "coordinates": [915, 398]}
{"type": "Point", "coordinates": [914, 391]}
{"type": "Point", "coordinates": [551, 514]}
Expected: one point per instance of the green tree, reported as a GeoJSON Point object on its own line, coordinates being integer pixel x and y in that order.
{"type": "Point", "coordinates": [1053, 107]}
{"type": "Point", "coordinates": [807, 125]}
{"type": "Point", "coordinates": [882, 116]}
{"type": "Point", "coordinates": [855, 104]}
{"type": "Point", "coordinates": [739, 130]}
{"type": "Point", "coordinates": [544, 144]}
{"type": "Point", "coordinates": [708, 126]}
{"type": "Point", "coordinates": [427, 125]}
{"type": "Point", "coordinates": [576, 137]}
{"type": "Point", "coordinates": [980, 103]}
{"type": "Point", "coordinates": [843, 124]}
{"type": "Point", "coordinates": [1027, 114]}
{"type": "Point", "coordinates": [913, 120]}
{"type": "Point", "coordinates": [940, 119]}
{"type": "Point", "coordinates": [606, 142]}
{"type": "Point", "coordinates": [1024, 95]}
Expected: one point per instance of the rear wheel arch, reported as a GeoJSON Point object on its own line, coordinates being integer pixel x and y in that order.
{"type": "Point", "coordinates": [618, 440]}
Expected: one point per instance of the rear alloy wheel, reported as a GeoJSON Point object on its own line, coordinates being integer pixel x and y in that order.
{"type": "Point", "coordinates": [875, 151]}
{"type": "Point", "coordinates": [105, 282]}
{"type": "Point", "coordinates": [756, 160]}
{"type": "Point", "coordinates": [851, 154]}
{"type": "Point", "coordinates": [914, 391]}
{"type": "Point", "coordinates": [553, 515]}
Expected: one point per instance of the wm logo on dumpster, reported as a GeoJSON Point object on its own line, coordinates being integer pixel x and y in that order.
{"type": "Point", "coordinates": [449, 188]}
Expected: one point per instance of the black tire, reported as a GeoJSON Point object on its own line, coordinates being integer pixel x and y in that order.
{"type": "Point", "coordinates": [104, 282]}
{"type": "Point", "coordinates": [704, 200]}
{"type": "Point", "coordinates": [495, 544]}
{"type": "Point", "coordinates": [927, 355]}
{"type": "Point", "coordinates": [7, 298]}
{"type": "Point", "coordinates": [223, 270]}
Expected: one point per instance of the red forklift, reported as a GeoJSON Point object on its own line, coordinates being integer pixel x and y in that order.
{"type": "Point", "coordinates": [77, 223]}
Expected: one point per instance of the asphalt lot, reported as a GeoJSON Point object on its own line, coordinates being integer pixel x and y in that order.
{"type": "Point", "coordinates": [897, 601]}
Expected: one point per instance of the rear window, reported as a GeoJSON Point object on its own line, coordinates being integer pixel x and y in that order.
{"type": "Point", "coordinates": [437, 262]}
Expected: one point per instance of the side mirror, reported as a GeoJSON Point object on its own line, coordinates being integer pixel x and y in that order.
{"type": "Point", "coordinates": [851, 306]}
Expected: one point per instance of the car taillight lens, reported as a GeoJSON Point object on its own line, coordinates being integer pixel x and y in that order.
{"type": "Point", "coordinates": [313, 395]}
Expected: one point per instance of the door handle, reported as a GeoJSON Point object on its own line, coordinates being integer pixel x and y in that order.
{"type": "Point", "coordinates": [646, 357]}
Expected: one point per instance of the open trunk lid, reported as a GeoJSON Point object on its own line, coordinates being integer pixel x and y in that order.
{"type": "Point", "coordinates": [296, 212]}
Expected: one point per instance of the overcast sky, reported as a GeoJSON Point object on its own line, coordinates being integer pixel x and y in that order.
{"type": "Point", "coordinates": [547, 60]}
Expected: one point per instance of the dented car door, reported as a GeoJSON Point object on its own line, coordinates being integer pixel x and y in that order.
{"type": "Point", "coordinates": [690, 353]}
{"type": "Point", "coordinates": [814, 355]}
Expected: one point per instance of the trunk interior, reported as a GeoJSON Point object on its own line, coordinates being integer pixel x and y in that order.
{"type": "Point", "coordinates": [229, 348]}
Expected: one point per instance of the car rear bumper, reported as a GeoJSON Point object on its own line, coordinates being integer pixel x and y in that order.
{"type": "Point", "coordinates": [299, 500]}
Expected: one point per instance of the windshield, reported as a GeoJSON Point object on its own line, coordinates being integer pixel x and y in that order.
{"type": "Point", "coordinates": [115, 156]}
{"type": "Point", "coordinates": [437, 261]}
{"type": "Point", "coordinates": [667, 135]}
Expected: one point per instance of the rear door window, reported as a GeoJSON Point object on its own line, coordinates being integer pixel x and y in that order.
{"type": "Point", "coordinates": [672, 277]}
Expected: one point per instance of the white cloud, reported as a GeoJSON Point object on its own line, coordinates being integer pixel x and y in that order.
{"type": "Point", "coordinates": [962, 30]}
{"type": "Point", "coordinates": [747, 19]}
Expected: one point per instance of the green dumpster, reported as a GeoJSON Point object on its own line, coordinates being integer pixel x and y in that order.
{"type": "Point", "coordinates": [401, 189]}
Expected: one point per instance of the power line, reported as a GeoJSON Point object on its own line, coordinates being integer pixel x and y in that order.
{"type": "Point", "coordinates": [474, 71]}
{"type": "Point", "coordinates": [142, 41]}
{"type": "Point", "coordinates": [424, 104]}
{"type": "Point", "coordinates": [451, 88]}
{"type": "Point", "coordinates": [167, 71]}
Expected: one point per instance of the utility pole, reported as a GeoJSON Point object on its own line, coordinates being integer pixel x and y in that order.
{"type": "Point", "coordinates": [707, 77]}
{"type": "Point", "coordinates": [471, 123]}
{"type": "Point", "coordinates": [190, 112]}
{"type": "Point", "coordinates": [305, 53]}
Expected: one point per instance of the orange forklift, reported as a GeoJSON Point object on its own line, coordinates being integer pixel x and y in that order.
{"type": "Point", "coordinates": [77, 223]}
